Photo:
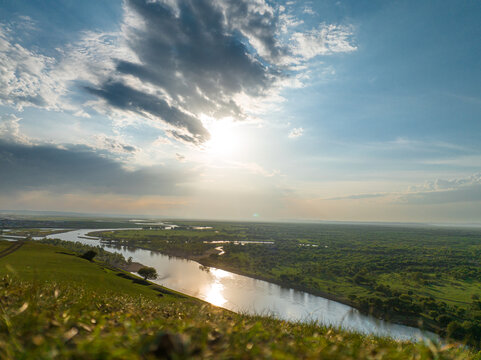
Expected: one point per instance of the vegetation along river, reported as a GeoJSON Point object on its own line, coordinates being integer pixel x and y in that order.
{"type": "Point", "coordinates": [244, 294]}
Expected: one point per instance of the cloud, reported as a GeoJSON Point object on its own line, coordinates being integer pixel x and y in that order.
{"type": "Point", "coordinates": [254, 168]}
{"type": "Point", "coordinates": [24, 76]}
{"type": "Point", "coordinates": [127, 98]}
{"type": "Point", "coordinates": [180, 157]}
{"type": "Point", "coordinates": [211, 59]}
{"type": "Point", "coordinates": [192, 58]}
{"type": "Point", "coordinates": [113, 145]}
{"type": "Point", "coordinates": [259, 23]}
{"type": "Point", "coordinates": [74, 168]}
{"type": "Point", "coordinates": [442, 191]}
{"type": "Point", "coordinates": [295, 133]}
{"type": "Point", "coordinates": [327, 39]}
{"type": "Point", "coordinates": [439, 191]}
{"type": "Point", "coordinates": [173, 62]}
{"type": "Point", "coordinates": [10, 129]}
{"type": "Point", "coordinates": [358, 197]}
{"type": "Point", "coordinates": [308, 10]}
{"type": "Point", "coordinates": [29, 78]}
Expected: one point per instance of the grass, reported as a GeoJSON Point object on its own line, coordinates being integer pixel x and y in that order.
{"type": "Point", "coordinates": [40, 263]}
{"type": "Point", "coordinates": [33, 232]}
{"type": "Point", "coordinates": [136, 234]}
{"type": "Point", "coordinates": [54, 305]}
{"type": "Point", "coordinates": [4, 244]}
{"type": "Point", "coordinates": [452, 291]}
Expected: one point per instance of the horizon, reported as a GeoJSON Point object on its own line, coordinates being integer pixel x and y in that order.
{"type": "Point", "coordinates": [269, 111]}
{"type": "Point", "coordinates": [36, 215]}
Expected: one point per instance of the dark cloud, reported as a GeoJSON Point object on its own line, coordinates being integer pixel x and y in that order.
{"type": "Point", "coordinates": [79, 168]}
{"type": "Point", "coordinates": [198, 55]}
{"type": "Point", "coordinates": [127, 98]}
{"type": "Point", "coordinates": [116, 146]}
{"type": "Point", "coordinates": [259, 23]}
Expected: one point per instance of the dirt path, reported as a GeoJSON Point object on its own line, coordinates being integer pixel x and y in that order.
{"type": "Point", "coordinates": [14, 247]}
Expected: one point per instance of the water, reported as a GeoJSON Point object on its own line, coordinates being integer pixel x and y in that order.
{"type": "Point", "coordinates": [244, 294]}
{"type": "Point", "coordinates": [237, 242]}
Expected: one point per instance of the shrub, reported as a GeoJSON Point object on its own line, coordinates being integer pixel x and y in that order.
{"type": "Point", "coordinates": [89, 255]}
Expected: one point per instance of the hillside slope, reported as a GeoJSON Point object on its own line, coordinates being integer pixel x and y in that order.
{"type": "Point", "coordinates": [56, 305]}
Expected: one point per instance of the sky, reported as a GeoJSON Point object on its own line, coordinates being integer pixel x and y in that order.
{"type": "Point", "coordinates": [243, 109]}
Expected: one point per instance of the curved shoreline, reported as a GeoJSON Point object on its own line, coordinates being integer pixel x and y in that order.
{"type": "Point", "coordinates": [204, 261]}
{"type": "Point", "coordinates": [393, 317]}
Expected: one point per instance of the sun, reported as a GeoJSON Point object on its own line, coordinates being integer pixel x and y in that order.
{"type": "Point", "coordinates": [225, 139]}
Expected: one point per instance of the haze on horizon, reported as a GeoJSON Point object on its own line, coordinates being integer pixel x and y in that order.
{"type": "Point", "coordinates": [243, 109]}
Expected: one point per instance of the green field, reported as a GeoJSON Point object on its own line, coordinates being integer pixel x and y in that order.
{"type": "Point", "coordinates": [33, 232]}
{"type": "Point", "coordinates": [415, 275]}
{"type": "Point", "coordinates": [4, 244]}
{"type": "Point", "coordinates": [54, 305]}
{"type": "Point", "coordinates": [38, 263]}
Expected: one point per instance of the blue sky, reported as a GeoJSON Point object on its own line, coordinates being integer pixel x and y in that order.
{"type": "Point", "coordinates": [318, 110]}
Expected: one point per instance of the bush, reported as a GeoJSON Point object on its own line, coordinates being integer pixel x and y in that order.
{"type": "Point", "coordinates": [89, 255]}
{"type": "Point", "coordinates": [443, 320]}
{"type": "Point", "coordinates": [455, 331]}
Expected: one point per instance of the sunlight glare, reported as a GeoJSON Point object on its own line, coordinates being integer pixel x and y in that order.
{"type": "Point", "coordinates": [225, 141]}
{"type": "Point", "coordinates": [214, 294]}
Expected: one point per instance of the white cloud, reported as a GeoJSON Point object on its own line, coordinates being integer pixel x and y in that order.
{"type": "Point", "coordinates": [448, 184]}
{"type": "Point", "coordinates": [10, 129]}
{"type": "Point", "coordinates": [325, 40]}
{"type": "Point", "coordinates": [467, 189]}
{"type": "Point", "coordinates": [295, 133]}
{"type": "Point", "coordinates": [308, 10]}
{"type": "Point", "coordinates": [29, 78]}
{"type": "Point", "coordinates": [255, 168]}
{"type": "Point", "coordinates": [24, 76]}
{"type": "Point", "coordinates": [180, 157]}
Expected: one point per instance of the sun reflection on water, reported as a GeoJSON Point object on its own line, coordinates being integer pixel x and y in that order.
{"type": "Point", "coordinates": [214, 293]}
{"type": "Point", "coordinates": [219, 273]}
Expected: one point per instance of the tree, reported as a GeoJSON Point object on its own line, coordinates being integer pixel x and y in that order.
{"type": "Point", "coordinates": [89, 255]}
{"type": "Point", "coordinates": [148, 273]}
{"type": "Point", "coordinates": [455, 331]}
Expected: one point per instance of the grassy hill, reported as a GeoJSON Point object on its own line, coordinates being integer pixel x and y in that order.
{"type": "Point", "coordinates": [55, 305]}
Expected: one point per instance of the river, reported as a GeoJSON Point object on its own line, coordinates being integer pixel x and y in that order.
{"type": "Point", "coordinates": [244, 294]}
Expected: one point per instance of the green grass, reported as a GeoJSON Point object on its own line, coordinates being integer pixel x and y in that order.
{"type": "Point", "coordinates": [452, 291]}
{"type": "Point", "coordinates": [57, 306]}
{"type": "Point", "coordinates": [33, 232]}
{"type": "Point", "coordinates": [4, 244]}
{"type": "Point", "coordinates": [39, 263]}
{"type": "Point", "coordinates": [129, 234]}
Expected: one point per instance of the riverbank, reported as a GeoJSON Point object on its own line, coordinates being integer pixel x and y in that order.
{"type": "Point", "coordinates": [132, 267]}
{"type": "Point", "coordinates": [207, 260]}
{"type": "Point", "coordinates": [392, 317]}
